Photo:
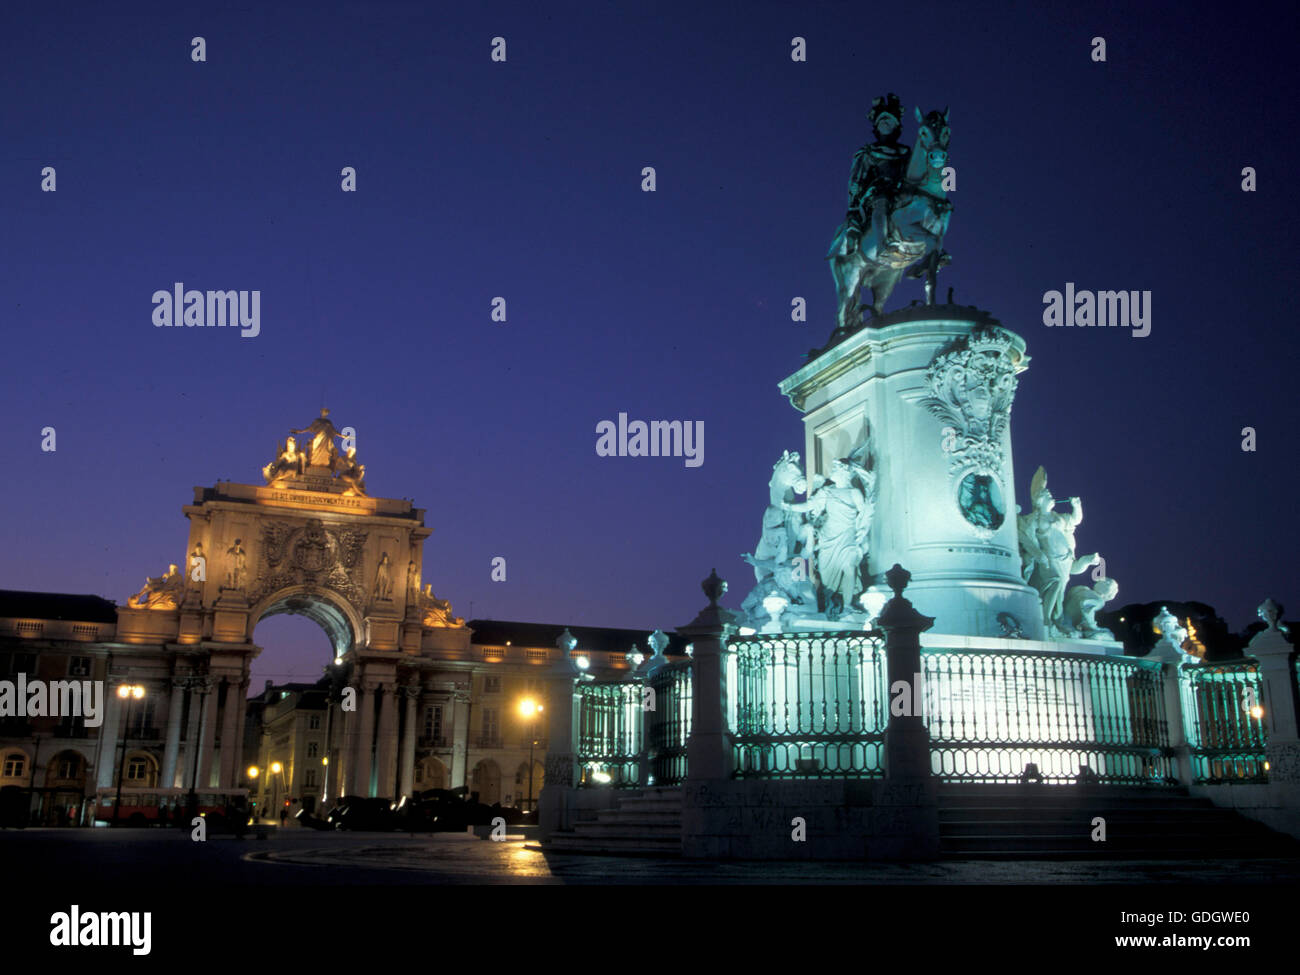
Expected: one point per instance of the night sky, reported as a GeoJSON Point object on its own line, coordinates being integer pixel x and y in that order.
{"type": "Point", "coordinates": [522, 179]}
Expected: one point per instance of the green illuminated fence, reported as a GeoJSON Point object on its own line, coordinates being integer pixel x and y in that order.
{"type": "Point", "coordinates": [668, 726]}
{"type": "Point", "coordinates": [1223, 721]}
{"type": "Point", "coordinates": [808, 705]}
{"type": "Point", "coordinates": [609, 734]}
{"type": "Point", "coordinates": [991, 714]}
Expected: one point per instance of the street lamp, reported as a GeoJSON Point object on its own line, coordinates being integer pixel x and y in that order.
{"type": "Point", "coordinates": [529, 708]}
{"type": "Point", "coordinates": [128, 693]}
{"type": "Point", "coordinates": [276, 769]}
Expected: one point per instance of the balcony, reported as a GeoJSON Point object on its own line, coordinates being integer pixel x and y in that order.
{"type": "Point", "coordinates": [487, 741]}
{"type": "Point", "coordinates": [432, 741]}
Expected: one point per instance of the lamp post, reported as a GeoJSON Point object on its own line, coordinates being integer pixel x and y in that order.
{"type": "Point", "coordinates": [276, 769]}
{"type": "Point", "coordinates": [128, 693]}
{"type": "Point", "coordinates": [529, 709]}
{"type": "Point", "coordinates": [252, 774]}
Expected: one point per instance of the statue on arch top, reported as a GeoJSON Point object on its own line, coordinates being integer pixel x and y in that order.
{"type": "Point", "coordinates": [160, 592]}
{"type": "Point", "coordinates": [321, 451]}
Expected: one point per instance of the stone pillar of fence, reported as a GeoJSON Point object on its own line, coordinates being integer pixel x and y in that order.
{"type": "Point", "coordinates": [905, 814]}
{"type": "Point", "coordinates": [555, 804]}
{"type": "Point", "coordinates": [1281, 717]}
{"type": "Point", "coordinates": [708, 752]}
{"type": "Point", "coordinates": [1172, 658]}
{"type": "Point", "coordinates": [649, 707]}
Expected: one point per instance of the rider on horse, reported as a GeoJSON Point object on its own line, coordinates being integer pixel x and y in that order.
{"type": "Point", "coordinates": [873, 183]}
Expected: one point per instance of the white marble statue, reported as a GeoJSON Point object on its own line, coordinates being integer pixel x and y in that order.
{"type": "Point", "coordinates": [1172, 633]}
{"type": "Point", "coordinates": [1047, 551]}
{"type": "Point", "coordinates": [1082, 604]}
{"type": "Point", "coordinates": [778, 561]}
{"type": "Point", "coordinates": [840, 511]}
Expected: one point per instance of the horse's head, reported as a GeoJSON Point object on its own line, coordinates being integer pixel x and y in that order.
{"type": "Point", "coordinates": [787, 473]}
{"type": "Point", "coordinates": [932, 137]}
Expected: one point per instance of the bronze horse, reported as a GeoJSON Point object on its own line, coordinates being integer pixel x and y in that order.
{"type": "Point", "coordinates": [918, 218]}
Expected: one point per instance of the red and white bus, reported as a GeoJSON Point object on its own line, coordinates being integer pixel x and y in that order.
{"type": "Point", "coordinates": [155, 807]}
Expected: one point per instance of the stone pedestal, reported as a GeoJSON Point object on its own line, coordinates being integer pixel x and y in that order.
{"type": "Point", "coordinates": [930, 391]}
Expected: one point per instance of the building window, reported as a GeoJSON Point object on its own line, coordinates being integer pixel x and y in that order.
{"type": "Point", "coordinates": [141, 716]}
{"type": "Point", "coordinates": [309, 779]}
{"type": "Point", "coordinates": [491, 685]}
{"type": "Point", "coordinates": [433, 722]}
{"type": "Point", "coordinates": [15, 765]}
{"type": "Point", "coordinates": [491, 724]}
{"type": "Point", "coordinates": [313, 751]}
{"type": "Point", "coordinates": [313, 723]}
{"type": "Point", "coordinates": [78, 666]}
{"type": "Point", "coordinates": [137, 769]}
{"type": "Point", "coordinates": [69, 767]}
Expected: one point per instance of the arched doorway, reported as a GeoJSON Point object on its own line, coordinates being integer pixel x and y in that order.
{"type": "Point", "coordinates": [486, 781]}
{"type": "Point", "coordinates": [430, 774]}
{"type": "Point", "coordinates": [65, 782]}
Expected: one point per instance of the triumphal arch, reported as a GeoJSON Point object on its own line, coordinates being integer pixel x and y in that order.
{"type": "Point", "coordinates": [308, 540]}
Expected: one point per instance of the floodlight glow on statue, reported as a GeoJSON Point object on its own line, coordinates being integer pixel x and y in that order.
{"type": "Point", "coordinates": [908, 460]}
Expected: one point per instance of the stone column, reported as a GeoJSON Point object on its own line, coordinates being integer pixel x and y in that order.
{"type": "Point", "coordinates": [241, 701]}
{"type": "Point", "coordinates": [460, 739]}
{"type": "Point", "coordinates": [195, 698]}
{"type": "Point", "coordinates": [345, 754]}
{"type": "Point", "coordinates": [1171, 659]}
{"type": "Point", "coordinates": [108, 734]}
{"type": "Point", "coordinates": [175, 705]}
{"type": "Point", "coordinates": [207, 734]}
{"type": "Point", "coordinates": [386, 746]}
{"type": "Point", "coordinates": [363, 760]}
{"type": "Point", "coordinates": [406, 787]}
{"type": "Point", "coordinates": [555, 803]}
{"type": "Point", "coordinates": [708, 751]}
{"type": "Point", "coordinates": [229, 732]}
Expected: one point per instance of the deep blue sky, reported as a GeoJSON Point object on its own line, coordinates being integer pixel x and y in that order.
{"type": "Point", "coordinates": [522, 179]}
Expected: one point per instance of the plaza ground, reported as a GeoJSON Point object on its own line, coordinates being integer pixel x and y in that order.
{"type": "Point", "coordinates": [295, 857]}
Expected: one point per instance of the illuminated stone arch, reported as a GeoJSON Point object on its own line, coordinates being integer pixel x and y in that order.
{"type": "Point", "coordinates": [310, 541]}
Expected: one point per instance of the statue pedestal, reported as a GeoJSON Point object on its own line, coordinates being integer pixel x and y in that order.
{"type": "Point", "coordinates": [930, 388]}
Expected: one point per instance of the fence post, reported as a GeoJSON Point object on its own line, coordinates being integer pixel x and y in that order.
{"type": "Point", "coordinates": [1176, 719]}
{"type": "Point", "coordinates": [556, 803]}
{"type": "Point", "coordinates": [1277, 675]}
{"type": "Point", "coordinates": [904, 816]}
{"type": "Point", "coordinates": [907, 739]}
{"type": "Point", "coordinates": [708, 751]}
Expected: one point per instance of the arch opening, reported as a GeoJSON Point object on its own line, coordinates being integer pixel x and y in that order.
{"type": "Point", "coordinates": [318, 606]}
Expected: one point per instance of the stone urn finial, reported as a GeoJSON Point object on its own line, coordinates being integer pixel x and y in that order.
{"type": "Point", "coordinates": [898, 578]}
{"type": "Point", "coordinates": [714, 587]}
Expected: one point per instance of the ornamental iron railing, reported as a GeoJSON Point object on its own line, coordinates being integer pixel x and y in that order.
{"type": "Point", "coordinates": [668, 722]}
{"type": "Point", "coordinates": [1223, 720]}
{"type": "Point", "coordinates": [808, 705]}
{"type": "Point", "coordinates": [610, 734]}
{"type": "Point", "coordinates": [1059, 717]}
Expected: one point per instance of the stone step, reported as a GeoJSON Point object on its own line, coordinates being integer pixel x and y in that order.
{"type": "Point", "coordinates": [628, 830]}
{"type": "Point", "coordinates": [640, 816]}
{"type": "Point", "coordinates": [598, 845]}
